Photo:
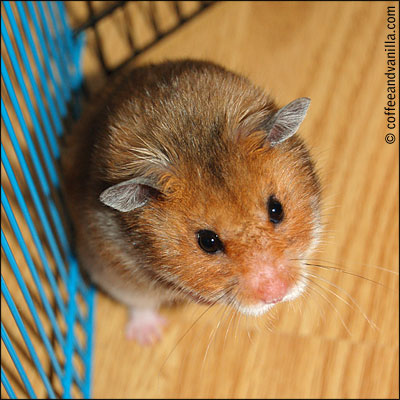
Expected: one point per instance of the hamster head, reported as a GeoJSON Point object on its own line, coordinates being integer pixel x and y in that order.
{"type": "Point", "coordinates": [213, 187]}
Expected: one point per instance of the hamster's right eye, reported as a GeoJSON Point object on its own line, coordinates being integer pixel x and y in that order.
{"type": "Point", "coordinates": [209, 241]}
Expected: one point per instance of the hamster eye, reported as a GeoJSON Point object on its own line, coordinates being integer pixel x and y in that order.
{"type": "Point", "coordinates": [275, 210]}
{"type": "Point", "coordinates": [209, 241]}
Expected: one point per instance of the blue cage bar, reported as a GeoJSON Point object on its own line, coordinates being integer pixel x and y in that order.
{"type": "Point", "coordinates": [47, 307]}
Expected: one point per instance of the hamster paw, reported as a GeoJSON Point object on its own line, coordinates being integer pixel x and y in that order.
{"type": "Point", "coordinates": [145, 326]}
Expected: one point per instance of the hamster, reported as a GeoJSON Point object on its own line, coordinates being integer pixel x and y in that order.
{"type": "Point", "coordinates": [188, 183]}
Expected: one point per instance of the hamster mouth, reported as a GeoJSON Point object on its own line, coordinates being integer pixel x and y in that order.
{"type": "Point", "coordinates": [263, 307]}
{"type": "Point", "coordinates": [255, 310]}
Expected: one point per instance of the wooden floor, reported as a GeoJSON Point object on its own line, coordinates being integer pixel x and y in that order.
{"type": "Point", "coordinates": [324, 345]}
{"type": "Point", "coordinates": [340, 340]}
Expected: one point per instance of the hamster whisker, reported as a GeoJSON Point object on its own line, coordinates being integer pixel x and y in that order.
{"type": "Point", "coordinates": [247, 328]}
{"type": "Point", "coordinates": [243, 317]}
{"type": "Point", "coordinates": [234, 314]}
{"type": "Point", "coordinates": [346, 272]}
{"type": "Point", "coordinates": [270, 318]}
{"type": "Point", "coordinates": [371, 323]}
{"type": "Point", "coordinates": [191, 326]}
{"type": "Point", "coordinates": [307, 294]}
{"type": "Point", "coordinates": [210, 340]}
{"type": "Point", "coordinates": [225, 315]}
{"type": "Point", "coordinates": [329, 207]}
{"type": "Point", "coordinates": [314, 289]}
{"type": "Point", "coordinates": [336, 264]}
{"type": "Point", "coordinates": [232, 303]}
{"type": "Point", "coordinates": [213, 335]}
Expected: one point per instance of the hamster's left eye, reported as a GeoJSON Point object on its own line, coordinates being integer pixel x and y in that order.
{"type": "Point", "coordinates": [275, 210]}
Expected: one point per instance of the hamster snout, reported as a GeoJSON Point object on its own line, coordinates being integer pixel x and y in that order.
{"type": "Point", "coordinates": [267, 282]}
{"type": "Point", "coordinates": [188, 182]}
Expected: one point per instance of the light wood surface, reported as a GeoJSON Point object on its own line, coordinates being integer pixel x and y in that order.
{"type": "Point", "coordinates": [340, 340]}
{"type": "Point", "coordinates": [322, 345]}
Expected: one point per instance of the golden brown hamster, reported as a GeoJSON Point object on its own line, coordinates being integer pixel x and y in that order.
{"type": "Point", "coordinates": [187, 182]}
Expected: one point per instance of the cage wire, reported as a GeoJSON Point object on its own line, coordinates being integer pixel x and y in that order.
{"type": "Point", "coordinates": [47, 307]}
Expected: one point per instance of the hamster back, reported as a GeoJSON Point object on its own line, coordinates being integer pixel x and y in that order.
{"type": "Point", "coordinates": [187, 182]}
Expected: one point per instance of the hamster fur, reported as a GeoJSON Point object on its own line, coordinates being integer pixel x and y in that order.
{"type": "Point", "coordinates": [181, 158]}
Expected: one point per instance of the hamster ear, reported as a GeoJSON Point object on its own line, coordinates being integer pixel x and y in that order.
{"type": "Point", "coordinates": [128, 195]}
{"type": "Point", "coordinates": [286, 121]}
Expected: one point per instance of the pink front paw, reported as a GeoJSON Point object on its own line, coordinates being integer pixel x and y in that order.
{"type": "Point", "coordinates": [145, 326]}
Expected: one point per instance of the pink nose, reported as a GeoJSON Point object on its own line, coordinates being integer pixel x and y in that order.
{"type": "Point", "coordinates": [272, 291]}
{"type": "Point", "coordinates": [268, 285]}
